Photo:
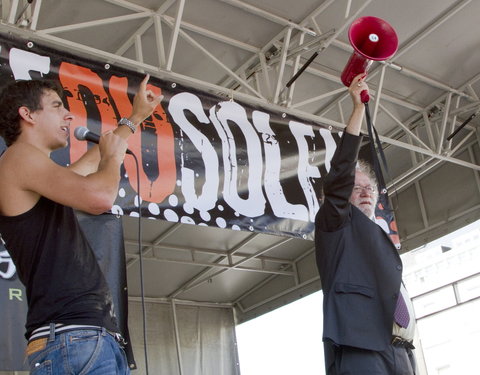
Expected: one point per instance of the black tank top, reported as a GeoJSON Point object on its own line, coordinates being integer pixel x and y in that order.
{"type": "Point", "coordinates": [63, 281]}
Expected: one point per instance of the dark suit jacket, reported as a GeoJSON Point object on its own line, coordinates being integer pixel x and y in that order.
{"type": "Point", "coordinates": [359, 266]}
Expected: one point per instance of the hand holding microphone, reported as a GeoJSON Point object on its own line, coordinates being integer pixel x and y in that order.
{"type": "Point", "coordinates": [83, 134]}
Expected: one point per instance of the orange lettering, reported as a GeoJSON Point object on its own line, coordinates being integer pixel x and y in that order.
{"type": "Point", "coordinates": [393, 226]}
{"type": "Point", "coordinates": [153, 187]}
{"type": "Point", "coordinates": [88, 102]}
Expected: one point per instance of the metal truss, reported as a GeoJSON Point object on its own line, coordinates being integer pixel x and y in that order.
{"type": "Point", "coordinates": [224, 261]}
{"type": "Point", "coordinates": [298, 286]}
{"type": "Point", "coordinates": [260, 79]}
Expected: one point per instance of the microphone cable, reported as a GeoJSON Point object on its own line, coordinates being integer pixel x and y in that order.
{"type": "Point", "coordinates": [83, 134]}
{"type": "Point", "coordinates": [142, 291]}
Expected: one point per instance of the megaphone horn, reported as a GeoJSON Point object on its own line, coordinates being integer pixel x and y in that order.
{"type": "Point", "coordinates": [372, 39]}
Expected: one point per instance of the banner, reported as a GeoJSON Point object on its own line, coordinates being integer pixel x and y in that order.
{"type": "Point", "coordinates": [105, 235]}
{"type": "Point", "coordinates": [203, 160]}
{"type": "Point", "coordinates": [13, 315]}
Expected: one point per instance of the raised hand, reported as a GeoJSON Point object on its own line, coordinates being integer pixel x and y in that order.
{"type": "Point", "coordinates": [356, 87]}
{"type": "Point", "coordinates": [144, 102]}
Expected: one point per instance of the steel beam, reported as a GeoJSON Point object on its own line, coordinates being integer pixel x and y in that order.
{"type": "Point", "coordinates": [175, 32]}
{"type": "Point", "coordinates": [200, 281]}
{"type": "Point", "coordinates": [197, 277]}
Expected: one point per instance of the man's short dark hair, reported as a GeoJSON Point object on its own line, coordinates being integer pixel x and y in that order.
{"type": "Point", "coordinates": [21, 94]}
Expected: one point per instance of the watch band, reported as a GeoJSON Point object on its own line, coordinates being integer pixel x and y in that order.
{"type": "Point", "coordinates": [125, 121]}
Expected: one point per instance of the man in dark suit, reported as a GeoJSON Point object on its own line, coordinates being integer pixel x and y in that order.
{"type": "Point", "coordinates": [368, 318]}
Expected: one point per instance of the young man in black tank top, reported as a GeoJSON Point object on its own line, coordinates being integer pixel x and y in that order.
{"type": "Point", "coordinates": [70, 324]}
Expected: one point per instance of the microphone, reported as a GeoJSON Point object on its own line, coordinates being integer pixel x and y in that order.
{"type": "Point", "coordinates": [83, 134]}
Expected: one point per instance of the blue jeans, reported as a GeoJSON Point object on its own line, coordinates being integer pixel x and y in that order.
{"type": "Point", "coordinates": [81, 352]}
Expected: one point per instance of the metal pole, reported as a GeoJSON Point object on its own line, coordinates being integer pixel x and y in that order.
{"type": "Point", "coordinates": [177, 337]}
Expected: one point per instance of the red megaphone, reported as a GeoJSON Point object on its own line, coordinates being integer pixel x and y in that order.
{"type": "Point", "coordinates": [372, 39]}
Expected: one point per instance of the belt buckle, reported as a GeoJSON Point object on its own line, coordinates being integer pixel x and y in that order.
{"type": "Point", "coordinates": [119, 338]}
{"type": "Point", "coordinates": [397, 340]}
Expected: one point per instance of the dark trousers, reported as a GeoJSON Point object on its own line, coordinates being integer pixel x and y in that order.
{"type": "Point", "coordinates": [347, 360]}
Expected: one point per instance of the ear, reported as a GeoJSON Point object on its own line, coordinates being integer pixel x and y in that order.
{"type": "Point", "coordinates": [26, 114]}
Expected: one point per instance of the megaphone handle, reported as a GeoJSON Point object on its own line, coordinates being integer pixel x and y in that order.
{"type": "Point", "coordinates": [364, 96]}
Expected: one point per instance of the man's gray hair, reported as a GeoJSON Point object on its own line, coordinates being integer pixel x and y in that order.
{"type": "Point", "coordinates": [365, 167]}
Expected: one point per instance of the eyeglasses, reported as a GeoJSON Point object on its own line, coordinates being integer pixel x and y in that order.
{"type": "Point", "coordinates": [368, 189]}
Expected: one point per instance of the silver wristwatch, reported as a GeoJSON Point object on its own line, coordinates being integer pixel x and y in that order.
{"type": "Point", "coordinates": [125, 121]}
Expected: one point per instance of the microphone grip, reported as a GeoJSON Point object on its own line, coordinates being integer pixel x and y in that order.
{"type": "Point", "coordinates": [92, 137]}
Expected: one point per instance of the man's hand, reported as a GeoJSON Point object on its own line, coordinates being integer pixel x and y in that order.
{"type": "Point", "coordinates": [112, 146]}
{"type": "Point", "coordinates": [356, 87]}
{"type": "Point", "coordinates": [144, 102]}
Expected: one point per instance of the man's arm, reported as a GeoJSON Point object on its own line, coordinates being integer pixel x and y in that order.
{"type": "Point", "coordinates": [31, 173]}
{"type": "Point", "coordinates": [144, 103]}
{"type": "Point", "coordinates": [338, 184]}
{"type": "Point", "coordinates": [355, 122]}
{"type": "Point", "coordinates": [90, 185]}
